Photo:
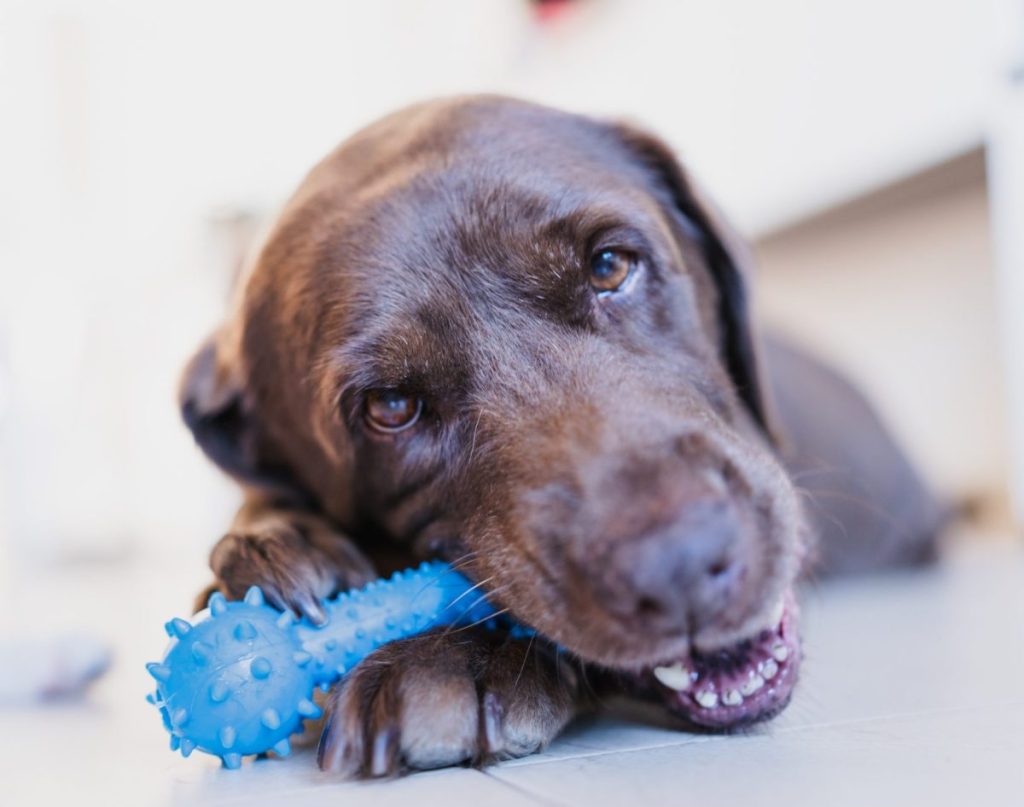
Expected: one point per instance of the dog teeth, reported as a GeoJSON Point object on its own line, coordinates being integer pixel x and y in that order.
{"type": "Point", "coordinates": [776, 614]}
{"type": "Point", "coordinates": [707, 698]}
{"type": "Point", "coordinates": [752, 685]}
{"type": "Point", "coordinates": [715, 480]}
{"type": "Point", "coordinates": [779, 651]}
{"type": "Point", "coordinates": [769, 670]}
{"type": "Point", "coordinates": [732, 698]}
{"type": "Point", "coordinates": [674, 676]}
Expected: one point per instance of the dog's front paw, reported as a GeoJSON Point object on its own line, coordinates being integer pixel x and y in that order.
{"type": "Point", "coordinates": [447, 698]}
{"type": "Point", "coordinates": [294, 567]}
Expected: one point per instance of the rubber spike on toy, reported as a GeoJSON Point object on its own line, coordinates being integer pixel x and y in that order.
{"type": "Point", "coordinates": [217, 604]}
{"type": "Point", "coordinates": [308, 709]}
{"type": "Point", "coordinates": [227, 736]}
{"type": "Point", "coordinates": [260, 668]}
{"type": "Point", "coordinates": [179, 717]}
{"type": "Point", "coordinates": [271, 719]}
{"type": "Point", "coordinates": [285, 620]}
{"type": "Point", "coordinates": [232, 761]}
{"type": "Point", "coordinates": [201, 652]}
{"type": "Point", "coordinates": [187, 747]}
{"type": "Point", "coordinates": [283, 748]}
{"type": "Point", "coordinates": [254, 596]}
{"type": "Point", "coordinates": [175, 742]}
{"type": "Point", "coordinates": [245, 630]}
{"type": "Point", "coordinates": [161, 672]}
{"type": "Point", "coordinates": [177, 628]}
{"type": "Point", "coordinates": [219, 692]}
{"type": "Point", "coordinates": [301, 657]}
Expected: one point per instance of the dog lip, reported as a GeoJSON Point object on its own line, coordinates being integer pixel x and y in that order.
{"type": "Point", "coordinates": [745, 683]}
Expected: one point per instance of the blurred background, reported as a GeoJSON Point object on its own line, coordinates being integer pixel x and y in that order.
{"type": "Point", "coordinates": [873, 152]}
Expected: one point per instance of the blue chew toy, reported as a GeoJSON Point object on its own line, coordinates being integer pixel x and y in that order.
{"type": "Point", "coordinates": [240, 680]}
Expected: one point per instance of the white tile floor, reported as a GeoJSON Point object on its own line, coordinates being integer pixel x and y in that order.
{"type": "Point", "coordinates": [911, 695]}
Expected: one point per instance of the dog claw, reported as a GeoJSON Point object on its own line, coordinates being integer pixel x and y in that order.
{"type": "Point", "coordinates": [492, 717]}
{"type": "Point", "coordinates": [382, 757]}
{"type": "Point", "coordinates": [333, 754]}
{"type": "Point", "coordinates": [312, 610]}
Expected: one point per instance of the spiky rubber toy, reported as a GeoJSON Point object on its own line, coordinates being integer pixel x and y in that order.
{"type": "Point", "coordinates": [240, 679]}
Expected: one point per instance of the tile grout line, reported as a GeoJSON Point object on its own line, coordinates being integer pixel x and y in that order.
{"type": "Point", "coordinates": [599, 752]}
{"type": "Point", "coordinates": [895, 716]}
{"type": "Point", "coordinates": [523, 791]}
{"type": "Point", "coordinates": [595, 752]}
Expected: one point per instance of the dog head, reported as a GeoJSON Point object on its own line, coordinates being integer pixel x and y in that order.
{"type": "Point", "coordinates": [519, 338]}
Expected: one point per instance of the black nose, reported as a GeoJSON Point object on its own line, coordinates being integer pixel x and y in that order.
{"type": "Point", "coordinates": [679, 577]}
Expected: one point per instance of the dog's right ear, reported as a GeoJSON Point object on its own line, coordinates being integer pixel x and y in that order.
{"type": "Point", "coordinates": [217, 409]}
{"type": "Point", "coordinates": [728, 260]}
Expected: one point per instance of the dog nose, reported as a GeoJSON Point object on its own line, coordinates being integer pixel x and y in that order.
{"type": "Point", "coordinates": [680, 577]}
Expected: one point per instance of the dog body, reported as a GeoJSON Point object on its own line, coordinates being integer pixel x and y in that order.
{"type": "Point", "coordinates": [519, 339]}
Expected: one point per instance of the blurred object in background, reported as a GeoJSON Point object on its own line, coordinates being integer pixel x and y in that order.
{"type": "Point", "coordinates": [552, 9]}
{"type": "Point", "coordinates": [46, 668]}
{"type": "Point", "coordinates": [144, 144]}
{"type": "Point", "coordinates": [1005, 162]}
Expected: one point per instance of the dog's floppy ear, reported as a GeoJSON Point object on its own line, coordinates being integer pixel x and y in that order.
{"type": "Point", "coordinates": [728, 259]}
{"type": "Point", "coordinates": [216, 408]}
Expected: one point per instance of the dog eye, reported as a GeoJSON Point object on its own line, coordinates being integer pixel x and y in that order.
{"type": "Point", "coordinates": [390, 411]}
{"type": "Point", "coordinates": [610, 268]}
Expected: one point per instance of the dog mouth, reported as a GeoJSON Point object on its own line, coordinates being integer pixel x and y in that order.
{"type": "Point", "coordinates": [738, 685]}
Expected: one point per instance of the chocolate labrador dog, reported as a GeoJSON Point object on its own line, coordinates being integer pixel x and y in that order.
{"type": "Point", "coordinates": [519, 339]}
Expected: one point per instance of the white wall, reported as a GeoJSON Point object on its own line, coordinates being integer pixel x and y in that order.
{"type": "Point", "coordinates": [128, 125]}
{"type": "Point", "coordinates": [900, 292]}
{"type": "Point", "coordinates": [1006, 168]}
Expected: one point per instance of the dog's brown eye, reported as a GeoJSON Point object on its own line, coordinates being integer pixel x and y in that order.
{"type": "Point", "coordinates": [391, 411]}
{"type": "Point", "coordinates": [610, 268]}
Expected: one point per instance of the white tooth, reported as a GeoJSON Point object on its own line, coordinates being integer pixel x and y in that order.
{"type": "Point", "coordinates": [751, 686]}
{"type": "Point", "coordinates": [776, 615]}
{"type": "Point", "coordinates": [675, 676]}
{"type": "Point", "coordinates": [769, 670]}
{"type": "Point", "coordinates": [715, 480]}
{"type": "Point", "coordinates": [707, 698]}
{"type": "Point", "coordinates": [732, 698]}
{"type": "Point", "coordinates": [780, 651]}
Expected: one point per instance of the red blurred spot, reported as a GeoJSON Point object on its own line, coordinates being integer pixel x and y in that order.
{"type": "Point", "coordinates": [550, 10]}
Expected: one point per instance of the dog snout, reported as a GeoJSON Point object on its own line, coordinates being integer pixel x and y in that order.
{"type": "Point", "coordinates": [679, 577]}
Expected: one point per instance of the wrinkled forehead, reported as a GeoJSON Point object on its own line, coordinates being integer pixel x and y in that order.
{"type": "Point", "coordinates": [472, 211]}
{"type": "Point", "coordinates": [479, 247]}
{"type": "Point", "coordinates": [478, 222]}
